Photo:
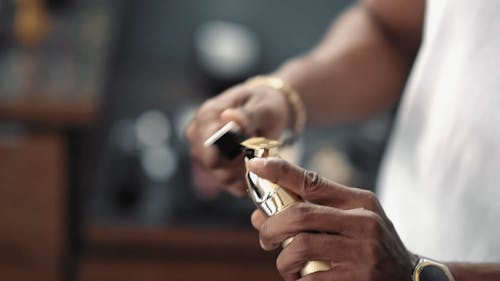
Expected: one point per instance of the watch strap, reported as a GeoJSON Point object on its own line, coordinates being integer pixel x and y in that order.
{"type": "Point", "coordinates": [430, 270]}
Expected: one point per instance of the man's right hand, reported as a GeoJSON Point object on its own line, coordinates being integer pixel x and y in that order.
{"type": "Point", "coordinates": [258, 110]}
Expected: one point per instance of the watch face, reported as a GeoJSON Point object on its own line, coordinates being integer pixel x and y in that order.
{"type": "Point", "coordinates": [433, 273]}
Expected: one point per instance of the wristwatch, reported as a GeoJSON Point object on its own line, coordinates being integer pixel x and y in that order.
{"type": "Point", "coordinates": [430, 270]}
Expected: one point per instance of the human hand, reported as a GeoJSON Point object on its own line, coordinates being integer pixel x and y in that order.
{"type": "Point", "coordinates": [258, 110]}
{"type": "Point", "coordinates": [343, 225]}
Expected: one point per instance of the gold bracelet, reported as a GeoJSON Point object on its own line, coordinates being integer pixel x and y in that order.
{"type": "Point", "coordinates": [297, 107]}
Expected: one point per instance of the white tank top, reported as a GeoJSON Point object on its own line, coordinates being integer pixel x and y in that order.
{"type": "Point", "coordinates": [440, 181]}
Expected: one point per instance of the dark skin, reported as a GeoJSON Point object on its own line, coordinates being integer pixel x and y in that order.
{"type": "Point", "coordinates": [344, 225]}
{"type": "Point", "coordinates": [359, 69]}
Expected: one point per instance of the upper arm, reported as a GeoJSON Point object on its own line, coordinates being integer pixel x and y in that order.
{"type": "Point", "coordinates": [401, 19]}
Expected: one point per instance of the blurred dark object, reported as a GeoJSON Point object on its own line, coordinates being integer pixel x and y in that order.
{"type": "Point", "coordinates": [53, 64]}
{"type": "Point", "coordinates": [350, 155]}
{"type": "Point", "coordinates": [59, 5]}
{"type": "Point", "coordinates": [144, 179]}
{"type": "Point", "coordinates": [5, 22]}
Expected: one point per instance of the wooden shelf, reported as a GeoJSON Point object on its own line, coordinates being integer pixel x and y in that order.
{"type": "Point", "coordinates": [177, 254]}
{"type": "Point", "coordinates": [163, 241]}
{"type": "Point", "coordinates": [160, 270]}
{"type": "Point", "coordinates": [50, 111]}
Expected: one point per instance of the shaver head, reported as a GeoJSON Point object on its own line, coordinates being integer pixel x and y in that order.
{"type": "Point", "coordinates": [268, 196]}
{"type": "Point", "coordinates": [231, 142]}
{"type": "Point", "coordinates": [260, 147]}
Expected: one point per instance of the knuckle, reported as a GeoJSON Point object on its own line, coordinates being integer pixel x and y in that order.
{"type": "Point", "coordinates": [373, 251]}
{"type": "Point", "coordinates": [311, 182]}
{"type": "Point", "coordinates": [256, 220]}
{"type": "Point", "coordinates": [266, 233]}
{"type": "Point", "coordinates": [280, 169]}
{"type": "Point", "coordinates": [282, 265]}
{"type": "Point", "coordinates": [373, 270]}
{"type": "Point", "coordinates": [282, 166]}
{"type": "Point", "coordinates": [370, 200]}
{"type": "Point", "coordinates": [302, 245]}
{"type": "Point", "coordinates": [303, 214]}
{"type": "Point", "coordinates": [373, 225]}
{"type": "Point", "coordinates": [369, 196]}
{"type": "Point", "coordinates": [279, 166]}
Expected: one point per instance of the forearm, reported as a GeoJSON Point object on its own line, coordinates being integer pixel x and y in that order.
{"type": "Point", "coordinates": [357, 71]}
{"type": "Point", "coordinates": [475, 272]}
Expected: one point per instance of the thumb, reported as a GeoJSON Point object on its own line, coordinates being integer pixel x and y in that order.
{"type": "Point", "coordinates": [307, 184]}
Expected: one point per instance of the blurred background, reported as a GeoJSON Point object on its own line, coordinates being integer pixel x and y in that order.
{"type": "Point", "coordinates": [95, 178]}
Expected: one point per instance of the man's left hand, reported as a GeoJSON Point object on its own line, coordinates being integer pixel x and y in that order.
{"type": "Point", "coordinates": [343, 225]}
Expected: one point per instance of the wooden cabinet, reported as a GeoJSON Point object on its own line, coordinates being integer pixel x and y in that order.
{"type": "Point", "coordinates": [175, 254]}
{"type": "Point", "coordinates": [34, 230]}
{"type": "Point", "coordinates": [32, 205]}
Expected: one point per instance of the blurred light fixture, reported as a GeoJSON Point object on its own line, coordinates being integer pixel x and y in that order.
{"type": "Point", "coordinates": [226, 50]}
{"type": "Point", "coordinates": [31, 22]}
{"type": "Point", "coordinates": [159, 163]}
{"type": "Point", "coordinates": [333, 163]}
{"type": "Point", "coordinates": [152, 128]}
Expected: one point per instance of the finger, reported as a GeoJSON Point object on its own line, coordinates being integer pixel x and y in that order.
{"type": "Point", "coordinates": [258, 217]}
{"type": "Point", "coordinates": [206, 122]}
{"type": "Point", "coordinates": [229, 172]}
{"type": "Point", "coordinates": [291, 277]}
{"type": "Point", "coordinates": [208, 157]}
{"type": "Point", "coordinates": [307, 184]}
{"type": "Point", "coordinates": [318, 247]}
{"type": "Point", "coordinates": [205, 178]}
{"type": "Point", "coordinates": [311, 186]}
{"type": "Point", "coordinates": [308, 217]}
{"type": "Point", "coordinates": [237, 188]}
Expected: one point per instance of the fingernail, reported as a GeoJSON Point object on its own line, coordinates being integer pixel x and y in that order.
{"type": "Point", "coordinates": [256, 163]}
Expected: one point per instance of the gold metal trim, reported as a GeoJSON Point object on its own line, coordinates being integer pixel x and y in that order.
{"type": "Point", "coordinates": [424, 262]}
